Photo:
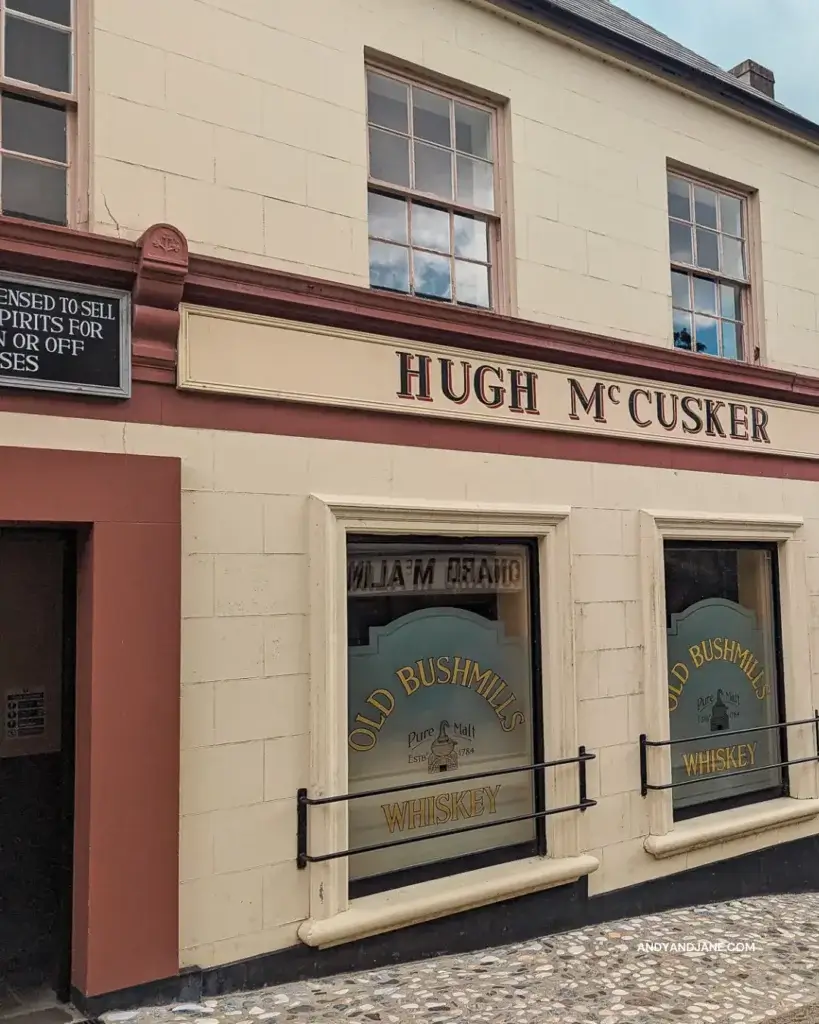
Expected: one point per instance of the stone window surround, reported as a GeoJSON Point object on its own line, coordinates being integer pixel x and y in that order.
{"type": "Point", "coordinates": [667, 837]}
{"type": "Point", "coordinates": [499, 251]}
{"type": "Point", "coordinates": [334, 918]}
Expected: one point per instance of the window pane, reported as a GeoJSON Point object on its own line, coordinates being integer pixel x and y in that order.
{"type": "Point", "coordinates": [387, 217]}
{"type": "Point", "coordinates": [434, 636]}
{"type": "Point", "coordinates": [473, 131]}
{"type": "Point", "coordinates": [387, 103]}
{"type": "Point", "coordinates": [731, 340]}
{"type": "Point", "coordinates": [680, 290]}
{"type": "Point", "coordinates": [430, 228]}
{"type": "Point", "coordinates": [680, 239]}
{"type": "Point", "coordinates": [34, 191]}
{"type": "Point", "coordinates": [38, 54]}
{"type": "Point", "coordinates": [33, 128]}
{"type": "Point", "coordinates": [430, 117]}
{"type": "Point", "coordinates": [471, 239]}
{"type": "Point", "coordinates": [706, 335]}
{"type": "Point", "coordinates": [731, 215]}
{"type": "Point", "coordinates": [705, 295]}
{"type": "Point", "coordinates": [722, 670]}
{"type": "Point", "coordinates": [707, 249]}
{"type": "Point", "coordinates": [472, 284]}
{"type": "Point", "coordinates": [730, 301]}
{"type": "Point", "coordinates": [475, 183]}
{"type": "Point", "coordinates": [679, 198]}
{"type": "Point", "coordinates": [50, 10]}
{"type": "Point", "coordinates": [733, 262]}
{"type": "Point", "coordinates": [705, 206]}
{"type": "Point", "coordinates": [432, 275]}
{"type": "Point", "coordinates": [433, 170]}
{"type": "Point", "coordinates": [389, 267]}
{"type": "Point", "coordinates": [389, 157]}
{"type": "Point", "coordinates": [682, 329]}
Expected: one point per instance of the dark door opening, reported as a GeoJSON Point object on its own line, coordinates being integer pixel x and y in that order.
{"type": "Point", "coordinates": [37, 635]}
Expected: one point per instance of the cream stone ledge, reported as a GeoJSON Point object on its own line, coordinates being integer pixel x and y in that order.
{"type": "Point", "coordinates": [712, 829]}
{"type": "Point", "coordinates": [426, 901]}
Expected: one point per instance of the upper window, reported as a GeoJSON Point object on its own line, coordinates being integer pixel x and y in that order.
{"type": "Point", "coordinates": [37, 102]}
{"type": "Point", "coordinates": [432, 193]}
{"type": "Point", "coordinates": [709, 268]}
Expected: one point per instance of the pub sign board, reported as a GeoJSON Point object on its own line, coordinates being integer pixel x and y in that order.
{"type": "Point", "coordinates": [60, 336]}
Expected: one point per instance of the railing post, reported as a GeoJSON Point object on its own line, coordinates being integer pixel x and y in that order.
{"type": "Point", "coordinates": [816, 729]}
{"type": "Point", "coordinates": [301, 831]}
{"type": "Point", "coordinates": [581, 753]}
{"type": "Point", "coordinates": [643, 765]}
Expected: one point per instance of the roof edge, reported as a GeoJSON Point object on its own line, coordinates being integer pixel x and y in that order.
{"type": "Point", "coordinates": [761, 108]}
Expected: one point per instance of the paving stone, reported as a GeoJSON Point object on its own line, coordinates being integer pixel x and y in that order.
{"type": "Point", "coordinates": [743, 962]}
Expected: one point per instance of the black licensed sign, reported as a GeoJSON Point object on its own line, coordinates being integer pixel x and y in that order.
{"type": "Point", "coordinates": [56, 336]}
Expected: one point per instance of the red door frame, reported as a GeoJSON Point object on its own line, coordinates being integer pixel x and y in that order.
{"type": "Point", "coordinates": [126, 844]}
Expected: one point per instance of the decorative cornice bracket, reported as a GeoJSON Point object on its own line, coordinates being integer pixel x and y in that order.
{"type": "Point", "coordinates": [156, 295]}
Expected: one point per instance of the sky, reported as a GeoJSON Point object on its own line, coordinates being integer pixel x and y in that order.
{"type": "Point", "coordinates": [781, 34]}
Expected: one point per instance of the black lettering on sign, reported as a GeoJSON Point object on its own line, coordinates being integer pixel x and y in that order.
{"type": "Point", "coordinates": [667, 414]}
{"type": "Point", "coordinates": [60, 337]}
{"type": "Point", "coordinates": [592, 404]}
{"type": "Point", "coordinates": [739, 421]}
{"type": "Point", "coordinates": [634, 409]}
{"type": "Point", "coordinates": [759, 418]}
{"type": "Point", "coordinates": [523, 385]}
{"type": "Point", "coordinates": [414, 375]}
{"type": "Point", "coordinates": [713, 427]}
{"type": "Point", "coordinates": [692, 420]}
{"type": "Point", "coordinates": [489, 393]}
{"type": "Point", "coordinates": [492, 387]}
{"type": "Point", "coordinates": [463, 391]}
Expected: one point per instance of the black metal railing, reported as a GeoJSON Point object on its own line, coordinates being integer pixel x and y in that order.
{"type": "Point", "coordinates": [645, 743]}
{"type": "Point", "coordinates": [304, 802]}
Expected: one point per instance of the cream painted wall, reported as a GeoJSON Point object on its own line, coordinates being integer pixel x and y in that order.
{"type": "Point", "coordinates": [242, 122]}
{"type": "Point", "coordinates": [244, 675]}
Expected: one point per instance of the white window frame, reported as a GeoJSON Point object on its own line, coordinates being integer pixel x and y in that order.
{"type": "Point", "coordinates": [497, 220]}
{"type": "Point", "coordinates": [667, 837]}
{"type": "Point", "coordinates": [748, 285]}
{"type": "Point", "coordinates": [334, 918]}
{"type": "Point", "coordinates": [75, 103]}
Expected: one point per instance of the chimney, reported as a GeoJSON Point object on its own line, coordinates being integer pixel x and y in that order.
{"type": "Point", "coordinates": [755, 75]}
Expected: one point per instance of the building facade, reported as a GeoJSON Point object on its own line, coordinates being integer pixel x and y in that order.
{"type": "Point", "coordinates": [405, 412]}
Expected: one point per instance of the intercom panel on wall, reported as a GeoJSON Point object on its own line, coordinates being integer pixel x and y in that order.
{"type": "Point", "coordinates": [31, 641]}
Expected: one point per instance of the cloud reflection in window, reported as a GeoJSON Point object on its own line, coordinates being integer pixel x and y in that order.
{"type": "Point", "coordinates": [432, 276]}
{"type": "Point", "coordinates": [389, 267]}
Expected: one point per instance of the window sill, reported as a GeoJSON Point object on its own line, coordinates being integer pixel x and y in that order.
{"type": "Point", "coordinates": [712, 829]}
{"type": "Point", "coordinates": [426, 901]}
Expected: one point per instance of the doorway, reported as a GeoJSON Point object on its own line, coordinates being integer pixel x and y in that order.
{"type": "Point", "coordinates": [37, 658]}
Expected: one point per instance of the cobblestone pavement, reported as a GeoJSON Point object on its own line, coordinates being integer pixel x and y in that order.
{"type": "Point", "coordinates": [749, 960]}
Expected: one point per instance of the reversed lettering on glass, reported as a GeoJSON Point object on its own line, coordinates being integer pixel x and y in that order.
{"type": "Point", "coordinates": [439, 686]}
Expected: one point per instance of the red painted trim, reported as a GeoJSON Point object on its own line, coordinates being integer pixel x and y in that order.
{"type": "Point", "coordinates": [157, 292]}
{"type": "Point", "coordinates": [183, 409]}
{"type": "Point", "coordinates": [248, 289]}
{"type": "Point", "coordinates": [30, 248]}
{"type": "Point", "coordinates": [152, 269]}
{"type": "Point", "coordinates": [168, 407]}
{"type": "Point", "coordinates": [167, 274]}
{"type": "Point", "coordinates": [126, 888]}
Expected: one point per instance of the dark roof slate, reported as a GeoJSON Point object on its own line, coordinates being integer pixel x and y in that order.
{"type": "Point", "coordinates": [613, 28]}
